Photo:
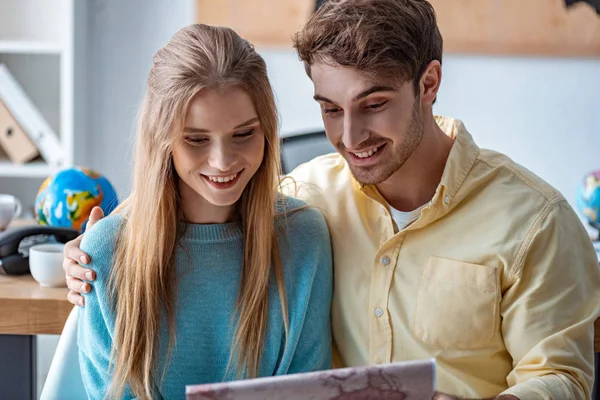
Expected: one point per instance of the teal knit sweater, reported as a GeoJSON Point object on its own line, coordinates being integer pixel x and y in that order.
{"type": "Point", "coordinates": [208, 274]}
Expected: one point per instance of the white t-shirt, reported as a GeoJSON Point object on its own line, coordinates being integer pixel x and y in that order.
{"type": "Point", "coordinates": [405, 218]}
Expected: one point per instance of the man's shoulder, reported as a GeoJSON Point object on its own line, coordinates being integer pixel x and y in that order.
{"type": "Point", "coordinates": [319, 181]}
{"type": "Point", "coordinates": [515, 179]}
{"type": "Point", "coordinates": [321, 169]}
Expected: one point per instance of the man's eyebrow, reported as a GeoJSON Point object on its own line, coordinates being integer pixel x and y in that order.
{"type": "Point", "coordinates": [361, 95]}
{"type": "Point", "coordinates": [373, 89]}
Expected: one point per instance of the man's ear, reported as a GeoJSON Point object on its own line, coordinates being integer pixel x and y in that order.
{"type": "Point", "coordinates": [430, 82]}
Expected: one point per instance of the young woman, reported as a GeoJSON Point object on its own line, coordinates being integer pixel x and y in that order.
{"type": "Point", "coordinates": [205, 273]}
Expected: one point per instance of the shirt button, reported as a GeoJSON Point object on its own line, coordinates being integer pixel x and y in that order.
{"type": "Point", "coordinates": [385, 260]}
{"type": "Point", "coordinates": [378, 312]}
{"type": "Point", "coordinates": [446, 199]}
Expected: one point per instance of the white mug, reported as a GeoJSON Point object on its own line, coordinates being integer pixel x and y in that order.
{"type": "Point", "coordinates": [45, 264]}
{"type": "Point", "coordinates": [10, 207]}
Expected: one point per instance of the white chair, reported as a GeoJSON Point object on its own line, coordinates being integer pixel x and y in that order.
{"type": "Point", "coordinates": [64, 377]}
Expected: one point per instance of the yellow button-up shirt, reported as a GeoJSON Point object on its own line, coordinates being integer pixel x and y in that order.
{"type": "Point", "coordinates": [497, 279]}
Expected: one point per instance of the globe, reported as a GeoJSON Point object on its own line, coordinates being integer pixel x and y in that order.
{"type": "Point", "coordinates": [588, 198]}
{"type": "Point", "coordinates": [66, 198]}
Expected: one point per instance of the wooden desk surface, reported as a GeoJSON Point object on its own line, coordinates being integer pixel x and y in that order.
{"type": "Point", "coordinates": [26, 308]}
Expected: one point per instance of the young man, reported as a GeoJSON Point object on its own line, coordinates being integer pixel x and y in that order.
{"type": "Point", "coordinates": [441, 249]}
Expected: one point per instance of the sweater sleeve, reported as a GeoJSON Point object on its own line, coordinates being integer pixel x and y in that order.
{"type": "Point", "coordinates": [96, 319]}
{"type": "Point", "coordinates": [312, 287]}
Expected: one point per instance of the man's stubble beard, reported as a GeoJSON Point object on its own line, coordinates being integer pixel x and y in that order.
{"type": "Point", "coordinates": [400, 153]}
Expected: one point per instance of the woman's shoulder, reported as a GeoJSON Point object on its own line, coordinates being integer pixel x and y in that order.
{"type": "Point", "coordinates": [285, 203]}
{"type": "Point", "coordinates": [100, 239]}
{"type": "Point", "coordinates": [105, 230]}
{"type": "Point", "coordinates": [297, 216]}
{"type": "Point", "coordinates": [305, 247]}
{"type": "Point", "coordinates": [302, 228]}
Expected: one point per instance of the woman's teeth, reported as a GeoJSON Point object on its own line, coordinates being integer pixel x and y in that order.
{"type": "Point", "coordinates": [222, 179]}
{"type": "Point", "coordinates": [366, 153]}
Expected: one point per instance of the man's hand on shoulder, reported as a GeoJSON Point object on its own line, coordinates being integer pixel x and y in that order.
{"type": "Point", "coordinates": [76, 275]}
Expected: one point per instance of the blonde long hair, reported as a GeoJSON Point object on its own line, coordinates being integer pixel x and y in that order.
{"type": "Point", "coordinates": [143, 279]}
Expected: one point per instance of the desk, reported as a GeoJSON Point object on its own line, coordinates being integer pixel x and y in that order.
{"type": "Point", "coordinates": [26, 310]}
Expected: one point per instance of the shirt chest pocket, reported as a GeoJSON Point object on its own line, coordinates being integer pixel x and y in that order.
{"type": "Point", "coordinates": [457, 304]}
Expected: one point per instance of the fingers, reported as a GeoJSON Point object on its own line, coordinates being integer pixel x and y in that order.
{"type": "Point", "coordinates": [76, 271]}
{"type": "Point", "coordinates": [78, 286]}
{"type": "Point", "coordinates": [76, 299]}
{"type": "Point", "coordinates": [95, 215]}
{"type": "Point", "coordinates": [76, 275]}
{"type": "Point", "coordinates": [73, 253]}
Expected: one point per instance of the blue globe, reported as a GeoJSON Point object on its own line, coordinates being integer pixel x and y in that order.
{"type": "Point", "coordinates": [588, 198]}
{"type": "Point", "coordinates": [66, 198]}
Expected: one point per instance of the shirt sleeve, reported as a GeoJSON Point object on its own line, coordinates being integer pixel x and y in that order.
{"type": "Point", "coordinates": [550, 307]}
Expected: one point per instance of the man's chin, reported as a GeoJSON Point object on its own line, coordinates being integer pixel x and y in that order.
{"type": "Point", "coordinates": [371, 175]}
{"type": "Point", "coordinates": [366, 175]}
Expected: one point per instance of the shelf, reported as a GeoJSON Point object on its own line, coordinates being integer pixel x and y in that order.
{"type": "Point", "coordinates": [29, 47]}
{"type": "Point", "coordinates": [36, 169]}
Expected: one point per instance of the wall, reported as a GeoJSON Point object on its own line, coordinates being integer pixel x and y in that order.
{"type": "Point", "coordinates": [541, 112]}
{"type": "Point", "coordinates": [123, 37]}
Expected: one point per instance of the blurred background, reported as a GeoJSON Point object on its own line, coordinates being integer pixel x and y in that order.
{"type": "Point", "coordinates": [523, 76]}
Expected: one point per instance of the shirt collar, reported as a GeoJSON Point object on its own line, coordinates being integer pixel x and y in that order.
{"type": "Point", "coordinates": [462, 156]}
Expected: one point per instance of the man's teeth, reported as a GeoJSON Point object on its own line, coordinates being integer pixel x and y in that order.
{"type": "Point", "coordinates": [222, 179]}
{"type": "Point", "coordinates": [366, 153]}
